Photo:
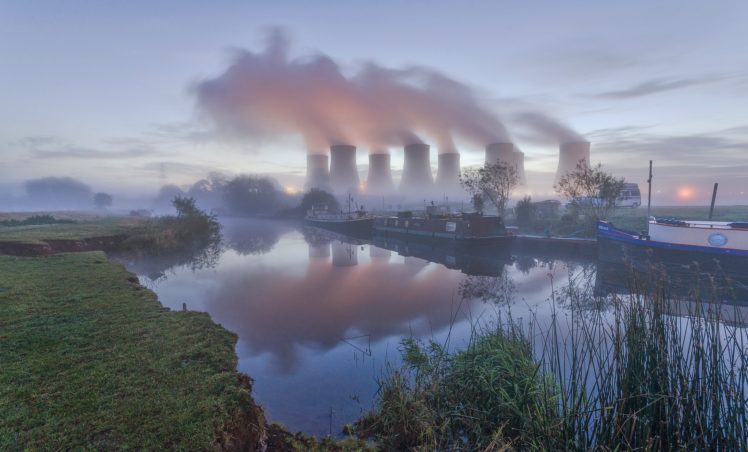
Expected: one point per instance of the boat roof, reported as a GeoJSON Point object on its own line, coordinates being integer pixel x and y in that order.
{"type": "Point", "coordinates": [699, 223]}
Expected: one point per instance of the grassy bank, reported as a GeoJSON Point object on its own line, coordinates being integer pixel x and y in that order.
{"type": "Point", "coordinates": [90, 359]}
{"type": "Point", "coordinates": [81, 228]}
{"type": "Point", "coordinates": [623, 375]}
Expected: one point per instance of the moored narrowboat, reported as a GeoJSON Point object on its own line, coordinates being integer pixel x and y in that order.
{"type": "Point", "coordinates": [464, 228]}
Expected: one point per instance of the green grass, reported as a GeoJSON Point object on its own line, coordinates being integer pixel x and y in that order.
{"type": "Point", "coordinates": [89, 359]}
{"type": "Point", "coordinates": [84, 228]}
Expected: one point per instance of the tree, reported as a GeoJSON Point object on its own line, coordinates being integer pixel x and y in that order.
{"type": "Point", "coordinates": [478, 203]}
{"type": "Point", "coordinates": [248, 195]}
{"type": "Point", "coordinates": [525, 211]}
{"type": "Point", "coordinates": [102, 200]}
{"type": "Point", "coordinates": [590, 190]}
{"type": "Point", "coordinates": [318, 198]}
{"type": "Point", "coordinates": [493, 181]}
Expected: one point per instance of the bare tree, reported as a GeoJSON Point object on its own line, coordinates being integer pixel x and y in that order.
{"type": "Point", "coordinates": [493, 181]}
{"type": "Point", "coordinates": [590, 190]}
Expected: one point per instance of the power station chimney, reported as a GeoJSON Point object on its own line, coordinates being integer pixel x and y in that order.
{"type": "Point", "coordinates": [417, 175]}
{"type": "Point", "coordinates": [343, 172]}
{"type": "Point", "coordinates": [519, 163]}
{"type": "Point", "coordinates": [500, 152]}
{"type": "Point", "coordinates": [379, 180]}
{"type": "Point", "coordinates": [569, 155]}
{"type": "Point", "coordinates": [448, 173]}
{"type": "Point", "coordinates": [317, 172]}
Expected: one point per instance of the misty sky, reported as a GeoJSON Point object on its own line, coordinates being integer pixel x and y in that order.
{"type": "Point", "coordinates": [105, 92]}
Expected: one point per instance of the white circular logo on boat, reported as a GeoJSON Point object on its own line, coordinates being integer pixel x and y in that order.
{"type": "Point", "coordinates": [717, 239]}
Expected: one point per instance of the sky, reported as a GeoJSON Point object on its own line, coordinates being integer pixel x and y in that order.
{"type": "Point", "coordinates": [105, 92]}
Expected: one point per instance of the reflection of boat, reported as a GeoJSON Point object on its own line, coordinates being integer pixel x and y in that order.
{"type": "Point", "coordinates": [690, 291]}
{"type": "Point", "coordinates": [714, 238]}
{"type": "Point", "coordinates": [439, 225]}
{"type": "Point", "coordinates": [352, 222]}
{"type": "Point", "coordinates": [448, 254]}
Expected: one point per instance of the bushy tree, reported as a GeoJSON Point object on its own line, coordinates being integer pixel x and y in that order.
{"type": "Point", "coordinates": [493, 181]}
{"type": "Point", "coordinates": [58, 193]}
{"type": "Point", "coordinates": [478, 203]}
{"type": "Point", "coordinates": [102, 200]}
{"type": "Point", "coordinates": [590, 190]}
{"type": "Point", "coordinates": [250, 195]}
{"type": "Point", "coordinates": [318, 198]}
{"type": "Point", "coordinates": [525, 211]}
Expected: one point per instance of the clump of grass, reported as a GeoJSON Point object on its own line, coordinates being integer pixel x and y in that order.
{"type": "Point", "coordinates": [485, 397]}
{"type": "Point", "coordinates": [630, 376]}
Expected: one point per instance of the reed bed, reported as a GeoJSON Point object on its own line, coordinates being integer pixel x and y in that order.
{"type": "Point", "coordinates": [623, 373]}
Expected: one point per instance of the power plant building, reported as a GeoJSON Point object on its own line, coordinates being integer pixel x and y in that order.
{"type": "Point", "coordinates": [417, 177]}
{"type": "Point", "coordinates": [569, 156]}
{"type": "Point", "coordinates": [343, 170]}
{"type": "Point", "coordinates": [379, 181]}
{"type": "Point", "coordinates": [317, 172]}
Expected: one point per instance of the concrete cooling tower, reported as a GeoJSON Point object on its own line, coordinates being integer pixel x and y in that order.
{"type": "Point", "coordinates": [417, 177]}
{"type": "Point", "coordinates": [500, 152]}
{"type": "Point", "coordinates": [570, 154]}
{"type": "Point", "coordinates": [519, 163]}
{"type": "Point", "coordinates": [343, 171]}
{"type": "Point", "coordinates": [317, 172]}
{"type": "Point", "coordinates": [448, 173]}
{"type": "Point", "coordinates": [319, 251]}
{"type": "Point", "coordinates": [379, 180]}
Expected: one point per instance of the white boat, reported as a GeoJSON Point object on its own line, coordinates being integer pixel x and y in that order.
{"type": "Point", "coordinates": [713, 237]}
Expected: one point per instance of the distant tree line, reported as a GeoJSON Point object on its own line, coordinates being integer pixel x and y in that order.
{"type": "Point", "coordinates": [243, 195]}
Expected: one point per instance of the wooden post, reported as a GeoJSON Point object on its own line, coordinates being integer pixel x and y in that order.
{"type": "Point", "coordinates": [649, 196]}
{"type": "Point", "coordinates": [714, 198]}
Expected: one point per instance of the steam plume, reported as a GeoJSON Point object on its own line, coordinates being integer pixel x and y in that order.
{"type": "Point", "coordinates": [268, 92]}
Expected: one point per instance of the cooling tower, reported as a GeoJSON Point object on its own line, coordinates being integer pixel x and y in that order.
{"type": "Point", "coordinates": [448, 173]}
{"type": "Point", "coordinates": [343, 172]}
{"type": "Point", "coordinates": [570, 154]}
{"type": "Point", "coordinates": [500, 152]}
{"type": "Point", "coordinates": [317, 172]}
{"type": "Point", "coordinates": [379, 180]}
{"type": "Point", "coordinates": [417, 176]}
{"type": "Point", "coordinates": [379, 254]}
{"type": "Point", "coordinates": [319, 251]}
{"type": "Point", "coordinates": [519, 163]}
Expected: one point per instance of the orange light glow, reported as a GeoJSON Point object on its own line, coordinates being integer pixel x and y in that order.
{"type": "Point", "coordinates": [290, 190]}
{"type": "Point", "coordinates": [685, 193]}
{"type": "Point", "coordinates": [362, 186]}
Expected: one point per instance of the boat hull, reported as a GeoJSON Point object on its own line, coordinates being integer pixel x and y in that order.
{"type": "Point", "coordinates": [474, 231]}
{"type": "Point", "coordinates": [616, 246]}
{"type": "Point", "coordinates": [359, 226]}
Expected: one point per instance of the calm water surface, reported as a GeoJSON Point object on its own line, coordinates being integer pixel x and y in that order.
{"type": "Point", "coordinates": [320, 317]}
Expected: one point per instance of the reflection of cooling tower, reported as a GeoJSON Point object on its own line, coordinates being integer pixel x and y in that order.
{"type": "Point", "coordinates": [343, 172]}
{"type": "Point", "coordinates": [319, 251]}
{"type": "Point", "coordinates": [570, 154]}
{"type": "Point", "coordinates": [519, 163]}
{"type": "Point", "coordinates": [379, 254]}
{"type": "Point", "coordinates": [344, 254]}
{"type": "Point", "coordinates": [317, 171]}
{"type": "Point", "coordinates": [379, 180]}
{"type": "Point", "coordinates": [448, 172]}
{"type": "Point", "coordinates": [416, 169]}
{"type": "Point", "coordinates": [500, 152]}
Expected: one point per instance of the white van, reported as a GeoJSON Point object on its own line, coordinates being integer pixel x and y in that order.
{"type": "Point", "coordinates": [630, 196]}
